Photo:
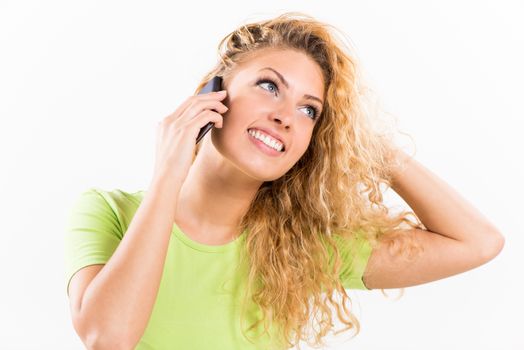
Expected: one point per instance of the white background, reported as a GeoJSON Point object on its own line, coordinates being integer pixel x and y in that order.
{"type": "Point", "coordinates": [82, 86]}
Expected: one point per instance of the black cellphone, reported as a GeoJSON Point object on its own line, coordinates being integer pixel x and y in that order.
{"type": "Point", "coordinates": [213, 85]}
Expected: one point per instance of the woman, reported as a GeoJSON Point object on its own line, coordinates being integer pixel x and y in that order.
{"type": "Point", "coordinates": [275, 212]}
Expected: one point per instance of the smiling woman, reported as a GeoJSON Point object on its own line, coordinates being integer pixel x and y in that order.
{"type": "Point", "coordinates": [289, 82]}
{"type": "Point", "coordinates": [244, 239]}
{"type": "Point", "coordinates": [272, 94]}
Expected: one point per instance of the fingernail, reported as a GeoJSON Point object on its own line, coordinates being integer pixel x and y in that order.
{"type": "Point", "coordinates": [222, 92]}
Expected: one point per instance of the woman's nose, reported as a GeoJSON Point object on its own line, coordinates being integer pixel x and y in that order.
{"type": "Point", "coordinates": [285, 112]}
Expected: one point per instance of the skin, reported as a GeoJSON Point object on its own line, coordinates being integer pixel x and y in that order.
{"type": "Point", "coordinates": [229, 169]}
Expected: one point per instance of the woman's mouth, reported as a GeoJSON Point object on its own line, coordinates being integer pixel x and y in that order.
{"type": "Point", "coordinates": [265, 144]}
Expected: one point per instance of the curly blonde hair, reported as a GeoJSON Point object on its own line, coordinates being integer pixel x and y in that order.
{"type": "Point", "coordinates": [292, 247]}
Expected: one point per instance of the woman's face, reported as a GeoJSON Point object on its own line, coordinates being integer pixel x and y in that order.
{"type": "Point", "coordinates": [280, 91]}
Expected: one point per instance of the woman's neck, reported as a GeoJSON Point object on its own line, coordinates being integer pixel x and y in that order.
{"type": "Point", "coordinates": [213, 199]}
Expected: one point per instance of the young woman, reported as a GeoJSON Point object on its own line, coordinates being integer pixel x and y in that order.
{"type": "Point", "coordinates": [244, 239]}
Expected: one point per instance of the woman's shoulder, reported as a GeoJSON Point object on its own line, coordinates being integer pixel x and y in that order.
{"type": "Point", "coordinates": [123, 203]}
{"type": "Point", "coordinates": [116, 195]}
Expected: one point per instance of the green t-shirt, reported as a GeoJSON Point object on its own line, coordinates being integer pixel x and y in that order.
{"type": "Point", "coordinates": [197, 305]}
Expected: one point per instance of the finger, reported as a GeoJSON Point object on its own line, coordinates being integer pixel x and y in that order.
{"type": "Point", "coordinates": [194, 109]}
{"type": "Point", "coordinates": [205, 117]}
{"type": "Point", "coordinates": [213, 96]}
{"type": "Point", "coordinates": [202, 119]}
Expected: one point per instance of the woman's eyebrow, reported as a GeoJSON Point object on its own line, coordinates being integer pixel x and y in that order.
{"type": "Point", "coordinates": [286, 84]}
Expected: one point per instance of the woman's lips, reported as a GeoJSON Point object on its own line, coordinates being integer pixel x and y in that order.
{"type": "Point", "coordinates": [263, 147]}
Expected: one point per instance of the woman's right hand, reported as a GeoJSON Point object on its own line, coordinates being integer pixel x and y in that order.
{"type": "Point", "coordinates": [177, 133]}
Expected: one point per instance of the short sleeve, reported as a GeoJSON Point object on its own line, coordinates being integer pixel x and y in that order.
{"type": "Point", "coordinates": [354, 253]}
{"type": "Point", "coordinates": [92, 233]}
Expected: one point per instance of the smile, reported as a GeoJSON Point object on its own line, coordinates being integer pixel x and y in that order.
{"type": "Point", "coordinates": [265, 144]}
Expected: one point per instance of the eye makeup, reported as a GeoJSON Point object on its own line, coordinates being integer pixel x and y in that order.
{"type": "Point", "coordinates": [266, 79]}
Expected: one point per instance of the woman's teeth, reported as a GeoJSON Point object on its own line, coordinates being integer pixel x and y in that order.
{"type": "Point", "coordinates": [267, 140]}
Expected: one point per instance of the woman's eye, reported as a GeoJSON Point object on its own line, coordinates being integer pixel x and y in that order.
{"type": "Point", "coordinates": [270, 83]}
{"type": "Point", "coordinates": [313, 113]}
{"type": "Point", "coordinates": [273, 87]}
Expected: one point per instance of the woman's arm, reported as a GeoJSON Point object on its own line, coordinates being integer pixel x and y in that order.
{"type": "Point", "coordinates": [458, 237]}
{"type": "Point", "coordinates": [115, 308]}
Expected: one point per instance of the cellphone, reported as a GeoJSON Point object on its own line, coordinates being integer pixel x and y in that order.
{"type": "Point", "coordinates": [213, 85]}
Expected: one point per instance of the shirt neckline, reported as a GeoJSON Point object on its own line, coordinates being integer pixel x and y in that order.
{"type": "Point", "coordinates": [200, 246]}
{"type": "Point", "coordinates": [206, 247]}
